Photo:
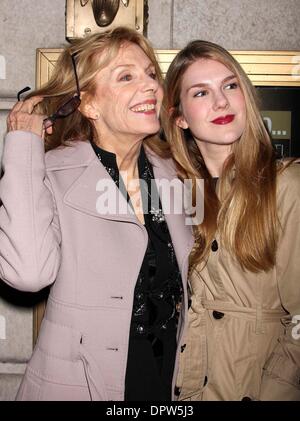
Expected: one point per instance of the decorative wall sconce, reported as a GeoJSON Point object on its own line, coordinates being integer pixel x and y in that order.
{"type": "Point", "coordinates": [104, 10]}
{"type": "Point", "coordinates": [84, 17]}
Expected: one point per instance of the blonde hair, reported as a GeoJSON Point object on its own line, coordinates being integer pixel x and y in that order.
{"type": "Point", "coordinates": [91, 54]}
{"type": "Point", "coordinates": [245, 212]}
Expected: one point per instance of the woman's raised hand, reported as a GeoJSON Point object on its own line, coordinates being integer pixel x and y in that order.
{"type": "Point", "coordinates": [23, 117]}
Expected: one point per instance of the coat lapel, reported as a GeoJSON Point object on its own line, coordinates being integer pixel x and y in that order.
{"type": "Point", "coordinates": [94, 191]}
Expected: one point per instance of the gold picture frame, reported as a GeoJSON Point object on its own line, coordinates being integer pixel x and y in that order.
{"type": "Point", "coordinates": [264, 68]}
{"type": "Point", "coordinates": [269, 68]}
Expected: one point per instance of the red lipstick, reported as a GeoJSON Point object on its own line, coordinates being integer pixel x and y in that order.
{"type": "Point", "coordinates": [224, 120]}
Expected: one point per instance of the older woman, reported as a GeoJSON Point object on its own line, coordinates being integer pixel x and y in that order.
{"type": "Point", "coordinates": [243, 339]}
{"type": "Point", "coordinates": [83, 219]}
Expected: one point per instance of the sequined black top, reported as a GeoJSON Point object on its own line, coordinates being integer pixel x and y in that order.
{"type": "Point", "coordinates": [157, 296]}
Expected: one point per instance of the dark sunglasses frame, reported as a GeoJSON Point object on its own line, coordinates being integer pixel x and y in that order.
{"type": "Point", "coordinates": [22, 91]}
{"type": "Point", "coordinates": [68, 107]}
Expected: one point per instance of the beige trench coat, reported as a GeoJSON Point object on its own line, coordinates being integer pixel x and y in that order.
{"type": "Point", "coordinates": [242, 340]}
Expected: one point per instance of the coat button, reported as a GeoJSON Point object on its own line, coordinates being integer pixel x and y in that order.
{"type": "Point", "coordinates": [246, 398]}
{"type": "Point", "coordinates": [214, 245]}
{"type": "Point", "coordinates": [140, 329]}
{"type": "Point", "coordinates": [205, 381]}
{"type": "Point", "coordinates": [217, 314]}
{"type": "Point", "coordinates": [177, 391]}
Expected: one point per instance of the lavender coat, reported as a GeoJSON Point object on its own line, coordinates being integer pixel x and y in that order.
{"type": "Point", "coordinates": [52, 233]}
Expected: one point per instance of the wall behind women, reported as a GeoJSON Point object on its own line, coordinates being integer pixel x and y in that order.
{"type": "Point", "coordinates": [26, 25]}
{"type": "Point", "coordinates": [235, 24]}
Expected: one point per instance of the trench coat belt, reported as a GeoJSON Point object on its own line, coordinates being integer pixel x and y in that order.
{"type": "Point", "coordinates": [193, 360]}
{"type": "Point", "coordinates": [251, 313]}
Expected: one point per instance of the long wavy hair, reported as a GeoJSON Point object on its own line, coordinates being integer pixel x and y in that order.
{"type": "Point", "coordinates": [92, 54]}
{"type": "Point", "coordinates": [243, 210]}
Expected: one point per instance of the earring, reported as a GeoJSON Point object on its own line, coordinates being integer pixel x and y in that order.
{"type": "Point", "coordinates": [97, 116]}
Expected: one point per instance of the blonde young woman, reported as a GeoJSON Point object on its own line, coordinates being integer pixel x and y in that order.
{"type": "Point", "coordinates": [81, 218]}
{"type": "Point", "coordinates": [243, 335]}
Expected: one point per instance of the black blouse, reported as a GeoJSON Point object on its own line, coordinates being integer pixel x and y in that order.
{"type": "Point", "coordinates": [157, 296]}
